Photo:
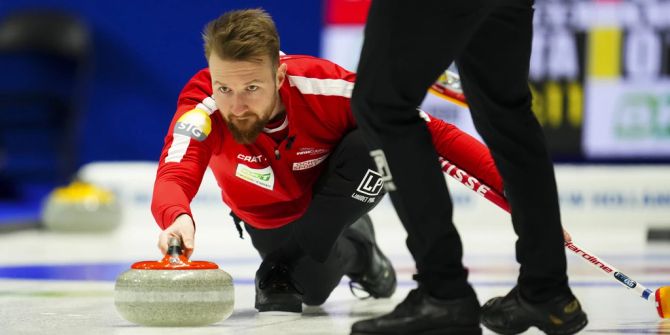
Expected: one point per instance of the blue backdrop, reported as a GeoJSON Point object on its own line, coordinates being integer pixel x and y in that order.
{"type": "Point", "coordinates": [144, 52]}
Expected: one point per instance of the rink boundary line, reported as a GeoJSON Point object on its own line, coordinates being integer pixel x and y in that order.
{"type": "Point", "coordinates": [345, 283]}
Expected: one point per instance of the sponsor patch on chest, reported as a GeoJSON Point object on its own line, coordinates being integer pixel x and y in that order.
{"type": "Point", "coordinates": [251, 159]}
{"type": "Point", "coordinates": [304, 165]}
{"type": "Point", "coordinates": [264, 177]}
{"type": "Point", "coordinates": [311, 151]}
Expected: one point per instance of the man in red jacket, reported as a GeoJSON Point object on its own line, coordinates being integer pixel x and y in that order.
{"type": "Point", "coordinates": [279, 135]}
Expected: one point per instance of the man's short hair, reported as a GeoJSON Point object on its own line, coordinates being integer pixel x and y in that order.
{"type": "Point", "coordinates": [242, 35]}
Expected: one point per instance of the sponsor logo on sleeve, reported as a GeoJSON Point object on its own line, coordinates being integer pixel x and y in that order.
{"type": "Point", "coordinates": [195, 124]}
{"type": "Point", "coordinates": [308, 164]}
{"type": "Point", "coordinates": [264, 177]}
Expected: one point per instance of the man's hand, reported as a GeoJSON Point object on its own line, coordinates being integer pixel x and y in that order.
{"type": "Point", "coordinates": [183, 228]}
{"type": "Point", "coordinates": [566, 236]}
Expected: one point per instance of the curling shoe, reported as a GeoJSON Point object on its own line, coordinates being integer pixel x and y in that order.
{"type": "Point", "coordinates": [275, 289]}
{"type": "Point", "coordinates": [379, 279]}
{"type": "Point", "coordinates": [512, 314]}
{"type": "Point", "coordinates": [421, 314]}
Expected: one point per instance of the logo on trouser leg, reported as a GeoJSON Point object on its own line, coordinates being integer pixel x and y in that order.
{"type": "Point", "coordinates": [369, 188]}
{"type": "Point", "coordinates": [383, 169]}
{"type": "Point", "coordinates": [371, 184]}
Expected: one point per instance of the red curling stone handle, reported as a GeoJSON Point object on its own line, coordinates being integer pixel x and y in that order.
{"type": "Point", "coordinates": [174, 260]}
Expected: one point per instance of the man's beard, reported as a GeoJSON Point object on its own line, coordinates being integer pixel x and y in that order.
{"type": "Point", "coordinates": [246, 131]}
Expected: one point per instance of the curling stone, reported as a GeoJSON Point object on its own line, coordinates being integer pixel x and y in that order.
{"type": "Point", "coordinates": [663, 302]}
{"type": "Point", "coordinates": [174, 291]}
{"type": "Point", "coordinates": [81, 207]}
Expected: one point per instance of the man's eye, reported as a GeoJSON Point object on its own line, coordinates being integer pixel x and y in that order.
{"type": "Point", "coordinates": [252, 88]}
{"type": "Point", "coordinates": [224, 89]}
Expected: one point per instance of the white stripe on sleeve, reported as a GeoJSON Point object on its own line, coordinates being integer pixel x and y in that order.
{"type": "Point", "coordinates": [178, 148]}
{"type": "Point", "coordinates": [335, 87]}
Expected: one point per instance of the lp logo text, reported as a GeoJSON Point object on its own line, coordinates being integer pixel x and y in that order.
{"type": "Point", "coordinates": [371, 184]}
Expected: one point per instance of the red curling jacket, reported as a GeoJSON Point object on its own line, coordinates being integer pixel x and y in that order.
{"type": "Point", "coordinates": [269, 184]}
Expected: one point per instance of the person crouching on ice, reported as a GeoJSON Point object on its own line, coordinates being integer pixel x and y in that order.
{"type": "Point", "coordinates": [278, 133]}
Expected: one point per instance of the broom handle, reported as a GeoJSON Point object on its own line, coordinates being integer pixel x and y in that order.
{"type": "Point", "coordinates": [587, 256]}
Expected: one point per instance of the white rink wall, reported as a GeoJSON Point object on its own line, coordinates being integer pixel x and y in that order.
{"type": "Point", "coordinates": [603, 196]}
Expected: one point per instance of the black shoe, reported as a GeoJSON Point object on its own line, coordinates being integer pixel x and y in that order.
{"type": "Point", "coordinates": [275, 290]}
{"type": "Point", "coordinates": [420, 314]}
{"type": "Point", "coordinates": [379, 279]}
{"type": "Point", "coordinates": [512, 314]}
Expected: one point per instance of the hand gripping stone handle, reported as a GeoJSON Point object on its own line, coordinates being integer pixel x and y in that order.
{"type": "Point", "coordinates": [175, 249]}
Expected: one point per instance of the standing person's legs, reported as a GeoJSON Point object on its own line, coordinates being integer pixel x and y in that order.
{"type": "Point", "coordinates": [407, 45]}
{"type": "Point", "coordinates": [494, 74]}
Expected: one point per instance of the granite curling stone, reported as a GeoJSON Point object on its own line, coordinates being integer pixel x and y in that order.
{"type": "Point", "coordinates": [81, 207]}
{"type": "Point", "coordinates": [174, 292]}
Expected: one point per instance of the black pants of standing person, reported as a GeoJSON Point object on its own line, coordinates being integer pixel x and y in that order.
{"type": "Point", "coordinates": [315, 245]}
{"type": "Point", "coordinates": [407, 45]}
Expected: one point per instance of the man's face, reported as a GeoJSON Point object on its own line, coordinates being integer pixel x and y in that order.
{"type": "Point", "coordinates": [246, 94]}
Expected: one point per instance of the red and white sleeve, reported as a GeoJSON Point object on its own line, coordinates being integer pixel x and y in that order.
{"type": "Point", "coordinates": [464, 151]}
{"type": "Point", "coordinates": [186, 152]}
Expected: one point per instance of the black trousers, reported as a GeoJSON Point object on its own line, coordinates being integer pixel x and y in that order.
{"type": "Point", "coordinates": [407, 46]}
{"type": "Point", "coordinates": [314, 245]}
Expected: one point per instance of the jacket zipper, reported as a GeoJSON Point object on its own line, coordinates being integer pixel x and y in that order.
{"type": "Point", "coordinates": [289, 142]}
